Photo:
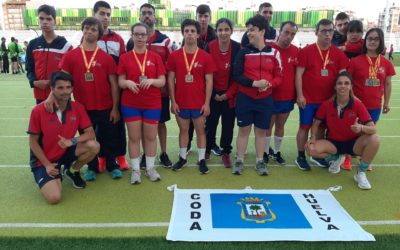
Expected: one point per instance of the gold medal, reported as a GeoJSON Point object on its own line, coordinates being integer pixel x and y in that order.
{"type": "Point", "coordinates": [325, 61]}
{"type": "Point", "coordinates": [142, 66]}
{"type": "Point", "coordinates": [89, 77]}
{"type": "Point", "coordinates": [142, 78]}
{"type": "Point", "coordinates": [189, 77]}
{"type": "Point", "coordinates": [373, 80]}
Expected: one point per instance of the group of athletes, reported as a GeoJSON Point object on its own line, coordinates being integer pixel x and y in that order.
{"type": "Point", "coordinates": [211, 77]}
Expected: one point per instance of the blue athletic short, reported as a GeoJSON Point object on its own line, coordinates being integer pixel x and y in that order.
{"type": "Point", "coordinates": [282, 107]}
{"type": "Point", "coordinates": [131, 114]}
{"type": "Point", "coordinates": [375, 114]}
{"type": "Point", "coordinates": [40, 174]}
{"type": "Point", "coordinates": [165, 114]}
{"type": "Point", "coordinates": [344, 147]}
{"type": "Point", "coordinates": [189, 113]}
{"type": "Point", "coordinates": [307, 115]}
{"type": "Point", "coordinates": [253, 111]}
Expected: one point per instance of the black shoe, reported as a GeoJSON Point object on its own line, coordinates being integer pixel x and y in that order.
{"type": "Point", "coordinates": [165, 161]}
{"type": "Point", "coordinates": [271, 153]}
{"type": "Point", "coordinates": [77, 181]}
{"type": "Point", "coordinates": [216, 150]}
{"type": "Point", "coordinates": [143, 162]}
{"type": "Point", "coordinates": [279, 159]}
{"type": "Point", "coordinates": [265, 158]}
{"type": "Point", "coordinates": [203, 169]}
{"type": "Point", "coordinates": [179, 165]}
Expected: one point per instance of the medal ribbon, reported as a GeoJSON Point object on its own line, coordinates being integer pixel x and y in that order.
{"type": "Point", "coordinates": [88, 65]}
{"type": "Point", "coordinates": [326, 59]}
{"type": "Point", "coordinates": [189, 68]}
{"type": "Point", "coordinates": [142, 66]}
{"type": "Point", "coordinates": [373, 68]}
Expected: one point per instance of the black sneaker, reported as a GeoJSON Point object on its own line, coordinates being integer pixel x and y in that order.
{"type": "Point", "coordinates": [143, 162]}
{"type": "Point", "coordinates": [179, 165]}
{"type": "Point", "coordinates": [216, 150]}
{"type": "Point", "coordinates": [265, 158]}
{"type": "Point", "coordinates": [271, 153]}
{"type": "Point", "coordinates": [165, 161]}
{"type": "Point", "coordinates": [302, 163]}
{"type": "Point", "coordinates": [203, 169]}
{"type": "Point", "coordinates": [77, 181]}
{"type": "Point", "coordinates": [279, 159]}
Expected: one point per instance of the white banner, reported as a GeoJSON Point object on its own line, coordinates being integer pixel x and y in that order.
{"type": "Point", "coordinates": [261, 215]}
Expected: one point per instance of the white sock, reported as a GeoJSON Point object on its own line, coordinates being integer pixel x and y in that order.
{"type": "Point", "coordinates": [150, 161]}
{"type": "Point", "coordinates": [239, 159]}
{"type": "Point", "coordinates": [182, 153]}
{"type": "Point", "coordinates": [267, 143]}
{"type": "Point", "coordinates": [259, 159]}
{"type": "Point", "coordinates": [202, 153]}
{"type": "Point", "coordinates": [277, 143]}
{"type": "Point", "coordinates": [135, 164]}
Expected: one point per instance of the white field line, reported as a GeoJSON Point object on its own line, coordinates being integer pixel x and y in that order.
{"type": "Point", "coordinates": [218, 165]}
{"type": "Point", "coordinates": [144, 224]}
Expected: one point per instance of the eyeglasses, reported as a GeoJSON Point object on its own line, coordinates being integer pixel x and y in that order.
{"type": "Point", "coordinates": [330, 31]}
{"type": "Point", "coordinates": [373, 39]}
{"type": "Point", "coordinates": [138, 35]}
{"type": "Point", "coordinates": [150, 13]}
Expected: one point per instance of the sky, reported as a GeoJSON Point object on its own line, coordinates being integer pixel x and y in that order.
{"type": "Point", "coordinates": [368, 9]}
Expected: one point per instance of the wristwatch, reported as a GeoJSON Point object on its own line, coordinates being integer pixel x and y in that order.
{"type": "Point", "coordinates": [74, 141]}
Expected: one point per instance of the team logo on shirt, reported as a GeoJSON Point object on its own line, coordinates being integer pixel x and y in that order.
{"type": "Point", "coordinates": [95, 63]}
{"type": "Point", "coordinates": [381, 70]}
{"type": "Point", "coordinates": [268, 60]}
{"type": "Point", "coordinates": [57, 58]}
{"type": "Point", "coordinates": [149, 63]}
{"type": "Point", "coordinates": [72, 118]}
{"type": "Point", "coordinates": [52, 120]}
{"type": "Point", "coordinates": [198, 65]}
{"type": "Point", "coordinates": [227, 65]}
{"type": "Point", "coordinates": [291, 60]}
{"type": "Point", "coordinates": [352, 114]}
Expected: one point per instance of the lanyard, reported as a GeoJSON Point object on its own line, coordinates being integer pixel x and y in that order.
{"type": "Point", "coordinates": [189, 68]}
{"type": "Point", "coordinates": [326, 59]}
{"type": "Point", "coordinates": [373, 69]}
{"type": "Point", "coordinates": [88, 65]}
{"type": "Point", "coordinates": [142, 66]}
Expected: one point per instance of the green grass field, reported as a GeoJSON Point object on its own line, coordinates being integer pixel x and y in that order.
{"type": "Point", "coordinates": [106, 201]}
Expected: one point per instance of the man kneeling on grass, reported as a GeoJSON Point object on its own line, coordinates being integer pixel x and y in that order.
{"type": "Point", "coordinates": [53, 143]}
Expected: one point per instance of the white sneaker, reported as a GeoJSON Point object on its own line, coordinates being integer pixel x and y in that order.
{"type": "Point", "coordinates": [152, 174]}
{"type": "Point", "coordinates": [135, 177]}
{"type": "Point", "coordinates": [334, 166]}
{"type": "Point", "coordinates": [362, 180]}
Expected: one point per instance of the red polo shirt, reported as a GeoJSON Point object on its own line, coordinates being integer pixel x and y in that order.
{"type": "Point", "coordinates": [48, 126]}
{"type": "Point", "coordinates": [317, 88]}
{"type": "Point", "coordinates": [96, 94]}
{"type": "Point", "coordinates": [286, 91]}
{"type": "Point", "coordinates": [339, 123]}
{"type": "Point", "coordinates": [371, 96]}
{"type": "Point", "coordinates": [190, 95]}
{"type": "Point", "coordinates": [145, 99]}
{"type": "Point", "coordinates": [223, 64]}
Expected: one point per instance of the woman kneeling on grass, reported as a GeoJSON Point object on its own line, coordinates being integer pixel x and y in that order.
{"type": "Point", "coordinates": [350, 130]}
